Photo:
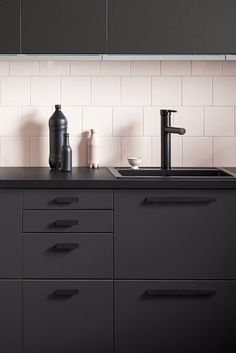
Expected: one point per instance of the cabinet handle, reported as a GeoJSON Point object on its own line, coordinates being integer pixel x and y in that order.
{"type": "Point", "coordinates": [66, 223]}
{"type": "Point", "coordinates": [180, 199]}
{"type": "Point", "coordinates": [66, 246]}
{"type": "Point", "coordinates": [66, 292]}
{"type": "Point", "coordinates": [66, 200]}
{"type": "Point", "coordinates": [180, 292]}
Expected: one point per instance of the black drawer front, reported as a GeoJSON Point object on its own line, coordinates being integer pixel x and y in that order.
{"type": "Point", "coordinates": [68, 256]}
{"type": "Point", "coordinates": [67, 221]}
{"type": "Point", "coordinates": [77, 199]}
{"type": "Point", "coordinates": [175, 234]}
{"type": "Point", "coordinates": [175, 316]}
{"type": "Point", "coordinates": [68, 316]}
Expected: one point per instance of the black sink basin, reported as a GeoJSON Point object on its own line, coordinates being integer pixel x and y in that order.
{"type": "Point", "coordinates": [181, 172]}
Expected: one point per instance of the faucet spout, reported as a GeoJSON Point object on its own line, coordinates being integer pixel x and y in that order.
{"type": "Point", "coordinates": [175, 130]}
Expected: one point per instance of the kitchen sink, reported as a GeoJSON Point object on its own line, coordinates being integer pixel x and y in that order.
{"type": "Point", "coordinates": [175, 172]}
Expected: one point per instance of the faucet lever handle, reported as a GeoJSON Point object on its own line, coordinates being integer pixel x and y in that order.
{"type": "Point", "coordinates": [167, 112]}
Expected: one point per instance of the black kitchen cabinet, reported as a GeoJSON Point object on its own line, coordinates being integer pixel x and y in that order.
{"type": "Point", "coordinates": [10, 233]}
{"type": "Point", "coordinates": [175, 316]}
{"type": "Point", "coordinates": [68, 316]}
{"type": "Point", "coordinates": [9, 26]}
{"type": "Point", "coordinates": [10, 316]}
{"type": "Point", "coordinates": [175, 234]}
{"type": "Point", "coordinates": [63, 26]}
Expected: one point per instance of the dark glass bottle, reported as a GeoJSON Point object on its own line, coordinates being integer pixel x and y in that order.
{"type": "Point", "coordinates": [66, 155]}
{"type": "Point", "coordinates": [57, 128]}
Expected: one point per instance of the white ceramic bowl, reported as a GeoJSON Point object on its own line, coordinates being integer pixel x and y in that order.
{"type": "Point", "coordinates": [135, 162]}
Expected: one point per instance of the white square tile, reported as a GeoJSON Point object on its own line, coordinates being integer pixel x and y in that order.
{"type": "Point", "coordinates": [139, 147]}
{"type": "Point", "coordinates": [190, 118]}
{"type": "Point", "coordinates": [45, 90]}
{"type": "Point", "coordinates": [127, 121]}
{"type": "Point", "coordinates": [24, 68]}
{"type": "Point", "coordinates": [54, 68]}
{"type": "Point", "coordinates": [15, 91]}
{"type": "Point", "coordinates": [197, 91]}
{"type": "Point", "coordinates": [99, 119]}
{"type": "Point", "coordinates": [10, 121]}
{"type": "Point", "coordinates": [224, 151]}
{"type": "Point", "coordinates": [176, 152]}
{"type": "Point", "coordinates": [35, 120]}
{"type": "Point", "coordinates": [39, 151]}
{"type": "Point", "coordinates": [197, 152]}
{"type": "Point", "coordinates": [75, 90]}
{"type": "Point", "coordinates": [166, 91]}
{"type": "Point", "coordinates": [79, 147]}
{"type": "Point", "coordinates": [4, 68]}
{"type": "Point", "coordinates": [110, 151]}
{"type": "Point", "coordinates": [136, 90]}
{"type": "Point", "coordinates": [224, 91]}
{"type": "Point", "coordinates": [175, 68]}
{"type": "Point", "coordinates": [206, 68]}
{"type": "Point", "coordinates": [74, 118]}
{"type": "Point", "coordinates": [85, 68]}
{"type": "Point", "coordinates": [106, 91]}
{"type": "Point", "coordinates": [145, 68]}
{"type": "Point", "coordinates": [229, 68]}
{"type": "Point", "coordinates": [152, 121]}
{"type": "Point", "coordinates": [14, 151]}
{"type": "Point", "coordinates": [115, 68]}
{"type": "Point", "coordinates": [219, 121]}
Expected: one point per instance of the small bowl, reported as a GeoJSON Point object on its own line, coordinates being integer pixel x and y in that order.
{"type": "Point", "coordinates": [135, 163]}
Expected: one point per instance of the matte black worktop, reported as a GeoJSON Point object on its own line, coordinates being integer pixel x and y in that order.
{"type": "Point", "coordinates": [43, 177]}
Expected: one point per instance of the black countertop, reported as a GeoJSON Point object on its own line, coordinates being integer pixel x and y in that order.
{"type": "Point", "coordinates": [30, 177]}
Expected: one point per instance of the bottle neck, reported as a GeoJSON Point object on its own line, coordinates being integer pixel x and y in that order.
{"type": "Point", "coordinates": [66, 140]}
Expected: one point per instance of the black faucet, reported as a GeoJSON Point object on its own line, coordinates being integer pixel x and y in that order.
{"type": "Point", "coordinates": [166, 131]}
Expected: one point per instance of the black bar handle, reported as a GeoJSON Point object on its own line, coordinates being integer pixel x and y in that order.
{"type": "Point", "coordinates": [66, 246]}
{"type": "Point", "coordinates": [66, 223]}
{"type": "Point", "coordinates": [180, 199]}
{"type": "Point", "coordinates": [180, 292]}
{"type": "Point", "coordinates": [66, 200]}
{"type": "Point", "coordinates": [66, 292]}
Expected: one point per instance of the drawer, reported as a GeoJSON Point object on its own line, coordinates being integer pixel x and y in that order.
{"type": "Point", "coordinates": [68, 256]}
{"type": "Point", "coordinates": [175, 234]}
{"type": "Point", "coordinates": [76, 199]}
{"type": "Point", "coordinates": [67, 221]}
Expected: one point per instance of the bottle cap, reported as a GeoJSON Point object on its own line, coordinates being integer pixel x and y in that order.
{"type": "Point", "coordinates": [58, 106]}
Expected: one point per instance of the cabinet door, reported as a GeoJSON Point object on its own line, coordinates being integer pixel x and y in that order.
{"type": "Point", "coordinates": [10, 233]}
{"type": "Point", "coordinates": [175, 234]}
{"type": "Point", "coordinates": [9, 26]}
{"type": "Point", "coordinates": [10, 316]}
{"type": "Point", "coordinates": [151, 26]}
{"type": "Point", "coordinates": [67, 316]}
{"type": "Point", "coordinates": [63, 26]}
{"type": "Point", "coordinates": [174, 316]}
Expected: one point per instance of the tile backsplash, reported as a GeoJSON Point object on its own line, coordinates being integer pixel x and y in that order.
{"type": "Point", "coordinates": [122, 101]}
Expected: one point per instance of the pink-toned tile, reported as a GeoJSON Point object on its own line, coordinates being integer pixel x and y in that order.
{"type": "Point", "coordinates": [74, 117]}
{"type": "Point", "coordinates": [152, 121]}
{"type": "Point", "coordinates": [176, 152]}
{"type": "Point", "coordinates": [136, 91]}
{"type": "Point", "coordinates": [110, 151]}
{"type": "Point", "coordinates": [224, 91]}
{"type": "Point", "coordinates": [206, 68]}
{"type": "Point", "coordinates": [115, 68]}
{"type": "Point", "coordinates": [145, 68]}
{"type": "Point", "coordinates": [24, 68]}
{"type": "Point", "coordinates": [45, 90]}
{"type": "Point", "coordinates": [79, 147]}
{"type": "Point", "coordinates": [197, 91]}
{"type": "Point", "coordinates": [106, 91]}
{"type": "Point", "coordinates": [39, 151]}
{"type": "Point", "coordinates": [137, 147]}
{"type": "Point", "coordinates": [15, 91]}
{"type": "Point", "coordinates": [35, 120]}
{"type": "Point", "coordinates": [99, 119]}
{"type": "Point", "coordinates": [190, 118]}
{"type": "Point", "coordinates": [127, 121]}
{"type": "Point", "coordinates": [224, 151]}
{"type": "Point", "coordinates": [166, 91]}
{"type": "Point", "coordinates": [229, 68]}
{"type": "Point", "coordinates": [18, 153]}
{"type": "Point", "coordinates": [219, 121]}
{"type": "Point", "coordinates": [10, 121]}
{"type": "Point", "coordinates": [54, 68]}
{"type": "Point", "coordinates": [176, 68]}
{"type": "Point", "coordinates": [197, 152]}
{"type": "Point", "coordinates": [85, 68]}
{"type": "Point", "coordinates": [4, 68]}
{"type": "Point", "coordinates": [75, 90]}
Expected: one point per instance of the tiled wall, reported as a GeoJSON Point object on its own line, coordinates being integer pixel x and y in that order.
{"type": "Point", "coordinates": [122, 101]}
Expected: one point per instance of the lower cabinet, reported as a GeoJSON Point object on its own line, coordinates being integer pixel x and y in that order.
{"type": "Point", "coordinates": [68, 316]}
{"type": "Point", "coordinates": [175, 316]}
{"type": "Point", "coordinates": [10, 316]}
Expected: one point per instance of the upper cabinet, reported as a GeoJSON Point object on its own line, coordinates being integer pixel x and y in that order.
{"type": "Point", "coordinates": [9, 26]}
{"type": "Point", "coordinates": [63, 26]}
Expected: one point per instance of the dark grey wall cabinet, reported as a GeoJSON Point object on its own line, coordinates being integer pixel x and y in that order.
{"type": "Point", "coordinates": [10, 233]}
{"type": "Point", "coordinates": [10, 316]}
{"type": "Point", "coordinates": [63, 26]}
{"type": "Point", "coordinates": [174, 316]}
{"type": "Point", "coordinates": [9, 26]}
